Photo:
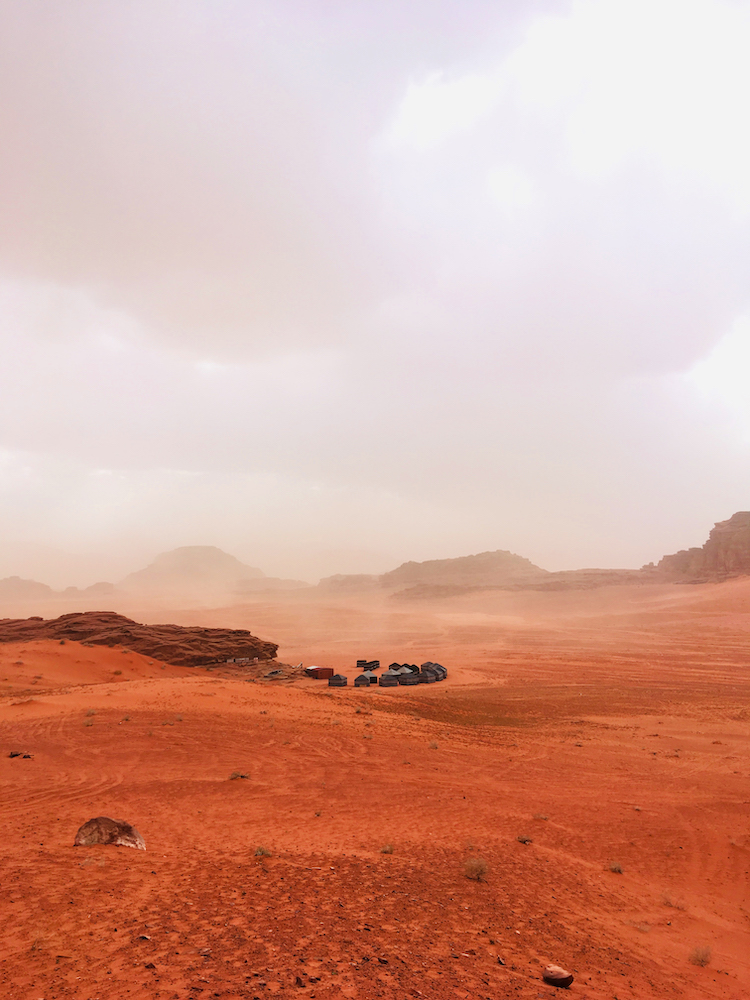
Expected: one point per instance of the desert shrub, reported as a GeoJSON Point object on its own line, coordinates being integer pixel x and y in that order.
{"type": "Point", "coordinates": [90, 712]}
{"type": "Point", "coordinates": [386, 849]}
{"type": "Point", "coordinates": [700, 956]}
{"type": "Point", "coordinates": [262, 852]}
{"type": "Point", "coordinates": [540, 816]}
{"type": "Point", "coordinates": [237, 774]}
{"type": "Point", "coordinates": [118, 673]}
{"type": "Point", "coordinates": [614, 867]}
{"type": "Point", "coordinates": [178, 718]}
{"type": "Point", "coordinates": [88, 722]}
{"type": "Point", "coordinates": [524, 840]}
{"type": "Point", "coordinates": [432, 745]}
{"type": "Point", "coordinates": [475, 868]}
{"type": "Point", "coordinates": [676, 904]}
{"type": "Point", "coordinates": [126, 718]}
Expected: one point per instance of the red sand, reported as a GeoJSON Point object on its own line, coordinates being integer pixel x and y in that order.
{"type": "Point", "coordinates": [621, 715]}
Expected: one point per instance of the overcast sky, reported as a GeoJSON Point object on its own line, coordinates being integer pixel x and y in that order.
{"type": "Point", "coordinates": [334, 285]}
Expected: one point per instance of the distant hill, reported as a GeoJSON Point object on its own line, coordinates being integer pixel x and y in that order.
{"type": "Point", "coordinates": [437, 577]}
{"type": "Point", "coordinates": [192, 566]}
{"type": "Point", "coordinates": [725, 554]}
{"type": "Point", "coordinates": [13, 588]}
{"type": "Point", "coordinates": [491, 569]}
{"type": "Point", "coordinates": [201, 571]}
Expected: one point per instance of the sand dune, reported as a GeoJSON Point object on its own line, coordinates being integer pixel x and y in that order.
{"type": "Point", "coordinates": [621, 716]}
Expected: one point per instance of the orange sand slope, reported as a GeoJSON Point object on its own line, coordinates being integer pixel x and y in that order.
{"type": "Point", "coordinates": [611, 728]}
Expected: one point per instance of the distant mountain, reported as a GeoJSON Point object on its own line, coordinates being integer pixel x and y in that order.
{"type": "Point", "coordinates": [201, 571]}
{"type": "Point", "coordinates": [438, 577]}
{"type": "Point", "coordinates": [13, 588]}
{"type": "Point", "coordinates": [490, 569]}
{"type": "Point", "coordinates": [725, 554]}
{"type": "Point", "coordinates": [192, 567]}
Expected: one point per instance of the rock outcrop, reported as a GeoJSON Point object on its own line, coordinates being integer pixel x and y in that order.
{"type": "Point", "coordinates": [725, 554]}
{"type": "Point", "coordinates": [103, 830]}
{"type": "Point", "coordinates": [442, 577]}
{"type": "Point", "coordinates": [488, 569]}
{"type": "Point", "coordinates": [175, 644]}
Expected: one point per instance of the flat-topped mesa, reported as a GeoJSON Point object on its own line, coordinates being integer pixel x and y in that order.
{"type": "Point", "coordinates": [726, 553]}
{"type": "Point", "coordinates": [174, 644]}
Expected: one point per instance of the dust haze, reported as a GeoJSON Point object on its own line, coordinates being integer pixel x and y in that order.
{"type": "Point", "coordinates": [332, 287]}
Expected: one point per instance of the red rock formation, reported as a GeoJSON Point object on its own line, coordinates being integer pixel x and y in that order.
{"type": "Point", "coordinates": [103, 830]}
{"type": "Point", "coordinates": [726, 553]}
{"type": "Point", "coordinates": [182, 647]}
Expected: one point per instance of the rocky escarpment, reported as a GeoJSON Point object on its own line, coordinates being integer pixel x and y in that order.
{"type": "Point", "coordinates": [175, 644]}
{"type": "Point", "coordinates": [726, 553]}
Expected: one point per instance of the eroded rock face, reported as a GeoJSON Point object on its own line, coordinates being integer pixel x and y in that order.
{"type": "Point", "coordinates": [103, 830]}
{"type": "Point", "coordinates": [182, 647]}
{"type": "Point", "coordinates": [726, 553]}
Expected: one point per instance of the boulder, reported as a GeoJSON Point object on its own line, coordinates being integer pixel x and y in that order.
{"type": "Point", "coordinates": [103, 830]}
{"type": "Point", "coordinates": [556, 976]}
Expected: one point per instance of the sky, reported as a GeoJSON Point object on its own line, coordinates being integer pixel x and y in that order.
{"type": "Point", "coordinates": [334, 285]}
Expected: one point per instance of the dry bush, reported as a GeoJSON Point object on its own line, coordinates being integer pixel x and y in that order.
{"type": "Point", "coordinates": [700, 956]}
{"type": "Point", "coordinates": [118, 673]}
{"type": "Point", "coordinates": [524, 839]}
{"type": "Point", "coordinates": [88, 722]}
{"type": "Point", "coordinates": [262, 852]}
{"type": "Point", "coordinates": [126, 718]}
{"type": "Point", "coordinates": [90, 712]}
{"type": "Point", "coordinates": [386, 849]}
{"type": "Point", "coordinates": [614, 867]}
{"type": "Point", "coordinates": [539, 816]}
{"type": "Point", "coordinates": [676, 904]}
{"type": "Point", "coordinates": [475, 868]}
{"type": "Point", "coordinates": [237, 774]}
{"type": "Point", "coordinates": [432, 745]}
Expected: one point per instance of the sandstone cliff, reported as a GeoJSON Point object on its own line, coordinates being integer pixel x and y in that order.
{"type": "Point", "coordinates": [726, 553]}
{"type": "Point", "coordinates": [175, 644]}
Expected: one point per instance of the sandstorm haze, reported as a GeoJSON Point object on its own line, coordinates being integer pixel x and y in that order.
{"type": "Point", "coordinates": [333, 286]}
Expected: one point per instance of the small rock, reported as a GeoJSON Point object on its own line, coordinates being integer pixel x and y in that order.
{"type": "Point", "coordinates": [500, 961]}
{"type": "Point", "coordinates": [103, 830]}
{"type": "Point", "coordinates": [150, 965]}
{"type": "Point", "coordinates": [556, 976]}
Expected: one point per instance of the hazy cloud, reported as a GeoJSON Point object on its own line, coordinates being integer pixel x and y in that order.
{"type": "Point", "coordinates": [337, 285]}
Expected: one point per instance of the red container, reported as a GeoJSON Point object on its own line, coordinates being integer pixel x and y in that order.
{"type": "Point", "coordinates": [320, 673]}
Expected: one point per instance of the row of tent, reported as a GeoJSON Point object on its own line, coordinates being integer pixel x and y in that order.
{"type": "Point", "coordinates": [406, 674]}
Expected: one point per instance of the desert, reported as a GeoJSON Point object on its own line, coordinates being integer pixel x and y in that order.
{"type": "Point", "coordinates": [574, 794]}
{"type": "Point", "coordinates": [374, 500]}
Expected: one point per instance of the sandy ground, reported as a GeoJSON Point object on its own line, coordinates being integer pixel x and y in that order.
{"type": "Point", "coordinates": [612, 728]}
